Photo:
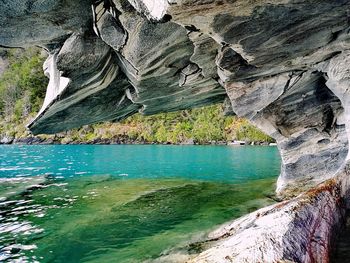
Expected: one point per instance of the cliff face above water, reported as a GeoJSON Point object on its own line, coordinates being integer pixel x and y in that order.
{"type": "Point", "coordinates": [283, 64]}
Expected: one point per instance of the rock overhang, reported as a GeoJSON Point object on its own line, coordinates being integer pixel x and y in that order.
{"type": "Point", "coordinates": [281, 64]}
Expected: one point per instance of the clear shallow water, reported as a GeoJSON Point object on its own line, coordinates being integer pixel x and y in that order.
{"type": "Point", "coordinates": [123, 203]}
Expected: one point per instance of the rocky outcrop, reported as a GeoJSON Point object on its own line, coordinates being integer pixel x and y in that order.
{"type": "Point", "coordinates": [283, 64]}
{"type": "Point", "coordinates": [304, 116]}
{"type": "Point", "coordinates": [300, 230]}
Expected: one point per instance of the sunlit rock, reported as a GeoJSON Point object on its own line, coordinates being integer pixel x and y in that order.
{"type": "Point", "coordinates": [300, 230]}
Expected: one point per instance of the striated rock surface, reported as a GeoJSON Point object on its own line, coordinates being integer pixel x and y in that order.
{"type": "Point", "coordinates": [304, 116]}
{"type": "Point", "coordinates": [283, 64]}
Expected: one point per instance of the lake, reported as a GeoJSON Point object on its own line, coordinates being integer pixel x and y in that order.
{"type": "Point", "coordinates": [124, 203]}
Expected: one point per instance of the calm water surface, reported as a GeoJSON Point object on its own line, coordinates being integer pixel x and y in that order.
{"type": "Point", "coordinates": [123, 203]}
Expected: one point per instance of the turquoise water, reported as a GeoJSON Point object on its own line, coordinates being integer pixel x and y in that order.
{"type": "Point", "coordinates": [214, 163]}
{"type": "Point", "coordinates": [93, 203]}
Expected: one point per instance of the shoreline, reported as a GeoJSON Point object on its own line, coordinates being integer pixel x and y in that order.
{"type": "Point", "coordinates": [117, 141]}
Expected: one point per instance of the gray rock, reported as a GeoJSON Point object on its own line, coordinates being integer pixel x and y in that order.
{"type": "Point", "coordinates": [107, 26]}
{"type": "Point", "coordinates": [6, 139]}
{"type": "Point", "coordinates": [43, 23]}
{"type": "Point", "coordinates": [300, 230]}
{"type": "Point", "coordinates": [84, 77]}
{"type": "Point", "coordinates": [300, 112]}
{"type": "Point", "coordinates": [188, 142]}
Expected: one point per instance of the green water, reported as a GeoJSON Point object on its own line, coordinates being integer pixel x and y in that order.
{"type": "Point", "coordinates": [124, 203]}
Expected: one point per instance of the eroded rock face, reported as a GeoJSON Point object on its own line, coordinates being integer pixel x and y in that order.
{"type": "Point", "coordinates": [302, 113]}
{"type": "Point", "coordinates": [92, 89]}
{"type": "Point", "coordinates": [28, 23]}
{"type": "Point", "coordinates": [283, 64]}
{"type": "Point", "coordinates": [126, 63]}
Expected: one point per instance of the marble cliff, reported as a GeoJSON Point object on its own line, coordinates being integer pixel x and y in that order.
{"type": "Point", "coordinates": [283, 64]}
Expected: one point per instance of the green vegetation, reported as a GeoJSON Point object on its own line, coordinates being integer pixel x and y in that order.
{"type": "Point", "coordinates": [23, 84]}
{"type": "Point", "coordinates": [22, 90]}
{"type": "Point", "coordinates": [201, 125]}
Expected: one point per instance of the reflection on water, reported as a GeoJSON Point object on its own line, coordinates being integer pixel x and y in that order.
{"type": "Point", "coordinates": [86, 218]}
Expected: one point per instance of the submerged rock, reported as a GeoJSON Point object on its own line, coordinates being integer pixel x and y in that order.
{"type": "Point", "coordinates": [14, 186]}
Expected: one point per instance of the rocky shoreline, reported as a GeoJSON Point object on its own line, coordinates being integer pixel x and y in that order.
{"type": "Point", "coordinates": [36, 140]}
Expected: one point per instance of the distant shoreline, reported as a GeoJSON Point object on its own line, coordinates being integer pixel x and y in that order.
{"type": "Point", "coordinates": [117, 141]}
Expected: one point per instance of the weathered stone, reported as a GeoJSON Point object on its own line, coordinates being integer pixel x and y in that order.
{"type": "Point", "coordinates": [108, 27]}
{"type": "Point", "coordinates": [271, 36]}
{"type": "Point", "coordinates": [155, 58]}
{"type": "Point", "coordinates": [153, 9]}
{"type": "Point", "coordinates": [204, 53]}
{"type": "Point", "coordinates": [300, 230]}
{"type": "Point", "coordinates": [84, 76]}
{"type": "Point", "coordinates": [28, 23]}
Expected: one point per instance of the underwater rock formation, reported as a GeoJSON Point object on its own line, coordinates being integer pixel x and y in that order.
{"type": "Point", "coordinates": [283, 64]}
